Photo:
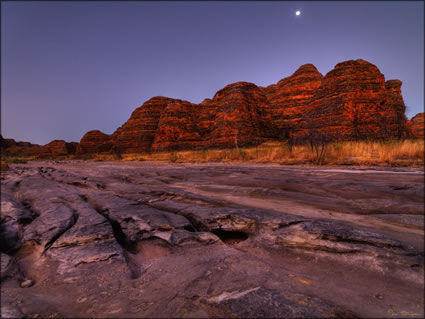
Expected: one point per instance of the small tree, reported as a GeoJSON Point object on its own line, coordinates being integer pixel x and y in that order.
{"type": "Point", "coordinates": [317, 140]}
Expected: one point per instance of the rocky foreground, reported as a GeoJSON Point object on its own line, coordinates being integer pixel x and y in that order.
{"type": "Point", "coordinates": [105, 239]}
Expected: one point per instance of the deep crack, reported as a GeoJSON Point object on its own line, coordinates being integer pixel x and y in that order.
{"type": "Point", "coordinates": [119, 235]}
{"type": "Point", "coordinates": [72, 221]}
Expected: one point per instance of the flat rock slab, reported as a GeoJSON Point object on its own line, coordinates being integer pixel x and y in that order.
{"type": "Point", "coordinates": [124, 239]}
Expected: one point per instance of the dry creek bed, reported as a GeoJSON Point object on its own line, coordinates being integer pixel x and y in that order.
{"type": "Point", "coordinates": [143, 239]}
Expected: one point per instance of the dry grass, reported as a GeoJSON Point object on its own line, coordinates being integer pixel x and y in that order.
{"type": "Point", "coordinates": [3, 166]}
{"type": "Point", "coordinates": [388, 153]}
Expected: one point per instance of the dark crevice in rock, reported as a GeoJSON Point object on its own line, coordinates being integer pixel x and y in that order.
{"type": "Point", "coordinates": [26, 219]}
{"type": "Point", "coordinates": [84, 198]}
{"type": "Point", "coordinates": [189, 228]}
{"type": "Point", "coordinates": [230, 237]}
{"type": "Point", "coordinates": [127, 245]}
{"type": "Point", "coordinates": [78, 184]}
{"type": "Point", "coordinates": [119, 235]}
{"type": "Point", "coordinates": [16, 186]}
{"type": "Point", "coordinates": [72, 221]}
{"type": "Point", "coordinates": [100, 186]}
{"type": "Point", "coordinates": [197, 225]}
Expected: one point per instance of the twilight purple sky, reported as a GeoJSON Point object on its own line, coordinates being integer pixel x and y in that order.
{"type": "Point", "coordinates": [71, 67]}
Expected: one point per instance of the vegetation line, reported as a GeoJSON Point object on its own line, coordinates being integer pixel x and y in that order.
{"type": "Point", "coordinates": [370, 153]}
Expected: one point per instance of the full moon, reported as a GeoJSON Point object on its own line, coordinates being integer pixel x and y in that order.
{"type": "Point", "coordinates": [298, 13]}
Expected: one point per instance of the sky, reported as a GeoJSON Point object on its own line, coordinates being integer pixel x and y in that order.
{"type": "Point", "coordinates": [71, 67]}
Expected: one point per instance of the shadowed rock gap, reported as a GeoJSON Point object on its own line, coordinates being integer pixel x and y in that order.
{"type": "Point", "coordinates": [28, 218]}
{"type": "Point", "coordinates": [230, 236]}
{"type": "Point", "coordinates": [127, 245]}
{"type": "Point", "coordinates": [119, 235]}
{"type": "Point", "coordinates": [189, 228]}
{"type": "Point", "coordinates": [72, 222]}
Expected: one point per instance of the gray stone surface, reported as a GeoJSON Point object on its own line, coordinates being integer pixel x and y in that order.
{"type": "Point", "coordinates": [106, 239]}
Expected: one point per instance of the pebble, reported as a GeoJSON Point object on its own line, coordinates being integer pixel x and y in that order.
{"type": "Point", "coordinates": [27, 283]}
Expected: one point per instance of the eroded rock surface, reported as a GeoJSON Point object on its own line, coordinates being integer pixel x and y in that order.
{"type": "Point", "coordinates": [138, 133]}
{"type": "Point", "coordinates": [351, 102]}
{"type": "Point", "coordinates": [94, 142]}
{"type": "Point", "coordinates": [57, 148]}
{"type": "Point", "coordinates": [418, 124]}
{"type": "Point", "coordinates": [355, 102]}
{"type": "Point", "coordinates": [290, 98]}
{"type": "Point", "coordinates": [90, 239]}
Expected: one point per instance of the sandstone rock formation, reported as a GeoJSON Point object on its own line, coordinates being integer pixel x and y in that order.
{"type": "Point", "coordinates": [53, 149]}
{"type": "Point", "coordinates": [241, 117]}
{"type": "Point", "coordinates": [418, 124]}
{"type": "Point", "coordinates": [351, 102]}
{"type": "Point", "coordinates": [237, 115]}
{"type": "Point", "coordinates": [290, 98]}
{"type": "Point", "coordinates": [177, 127]}
{"type": "Point", "coordinates": [354, 102]}
{"type": "Point", "coordinates": [94, 142]}
{"type": "Point", "coordinates": [10, 146]}
{"type": "Point", "coordinates": [57, 148]}
{"type": "Point", "coordinates": [138, 133]}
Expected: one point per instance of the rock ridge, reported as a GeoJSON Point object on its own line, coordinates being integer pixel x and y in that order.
{"type": "Point", "coordinates": [353, 101]}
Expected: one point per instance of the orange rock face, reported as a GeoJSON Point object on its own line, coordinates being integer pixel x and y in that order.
{"type": "Point", "coordinates": [138, 133]}
{"type": "Point", "coordinates": [94, 142]}
{"type": "Point", "coordinates": [418, 124]}
{"type": "Point", "coordinates": [238, 115]}
{"type": "Point", "coordinates": [354, 102]}
{"type": "Point", "coordinates": [290, 98]}
{"type": "Point", "coordinates": [177, 127]}
{"type": "Point", "coordinates": [57, 148]}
